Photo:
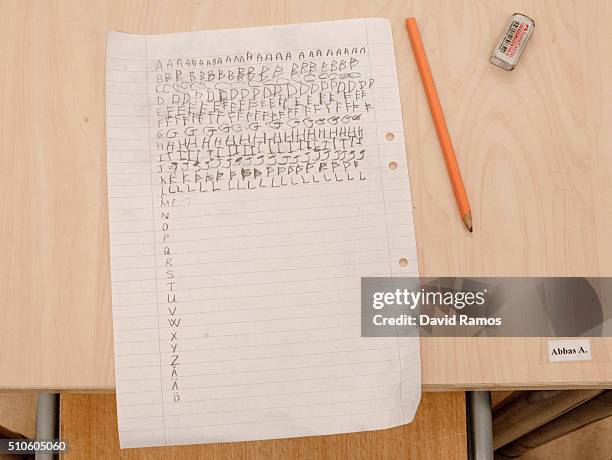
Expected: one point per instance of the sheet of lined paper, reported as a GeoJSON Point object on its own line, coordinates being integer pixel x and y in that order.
{"type": "Point", "coordinates": [254, 176]}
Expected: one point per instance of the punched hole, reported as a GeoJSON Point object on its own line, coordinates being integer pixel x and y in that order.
{"type": "Point", "coordinates": [393, 166]}
{"type": "Point", "coordinates": [390, 137]}
{"type": "Point", "coordinates": [403, 262]}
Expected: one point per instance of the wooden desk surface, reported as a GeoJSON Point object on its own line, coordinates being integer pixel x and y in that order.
{"type": "Point", "coordinates": [535, 147]}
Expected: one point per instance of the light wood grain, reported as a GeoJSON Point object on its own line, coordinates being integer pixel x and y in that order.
{"type": "Point", "coordinates": [534, 145]}
{"type": "Point", "coordinates": [89, 423]}
{"type": "Point", "coordinates": [18, 413]}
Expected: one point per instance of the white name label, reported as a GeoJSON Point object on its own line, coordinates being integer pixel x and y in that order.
{"type": "Point", "coordinates": [569, 350]}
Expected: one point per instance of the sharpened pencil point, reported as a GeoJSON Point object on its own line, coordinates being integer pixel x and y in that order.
{"type": "Point", "coordinates": [467, 220]}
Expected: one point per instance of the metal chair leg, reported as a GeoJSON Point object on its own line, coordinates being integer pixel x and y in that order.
{"type": "Point", "coordinates": [47, 421]}
{"type": "Point", "coordinates": [480, 425]}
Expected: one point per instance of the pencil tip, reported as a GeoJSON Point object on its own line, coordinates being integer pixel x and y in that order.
{"type": "Point", "coordinates": [467, 220]}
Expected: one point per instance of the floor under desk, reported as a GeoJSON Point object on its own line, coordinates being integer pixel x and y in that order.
{"type": "Point", "coordinates": [89, 423]}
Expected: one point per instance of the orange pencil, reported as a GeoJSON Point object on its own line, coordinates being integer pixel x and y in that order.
{"type": "Point", "coordinates": [438, 118]}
